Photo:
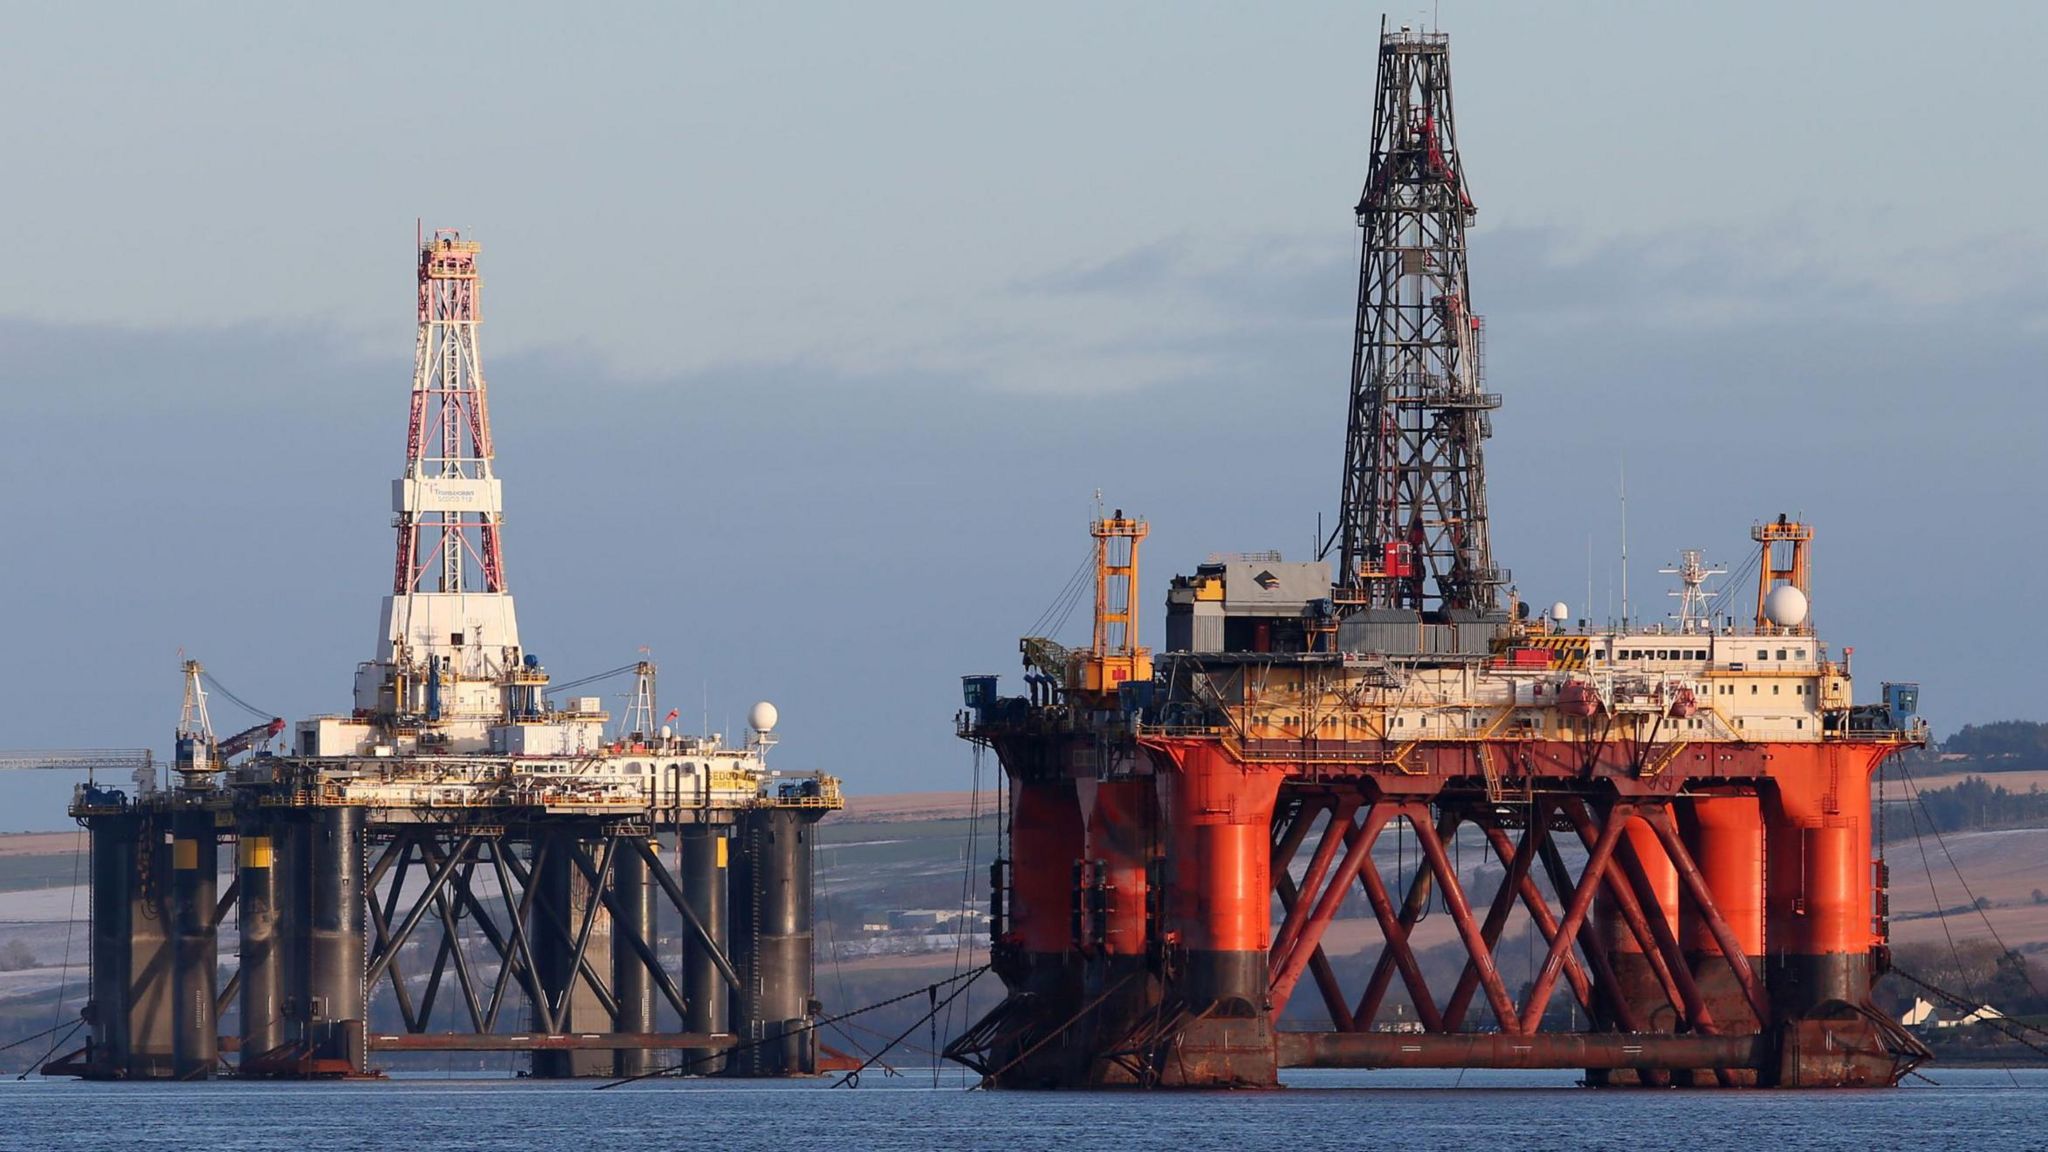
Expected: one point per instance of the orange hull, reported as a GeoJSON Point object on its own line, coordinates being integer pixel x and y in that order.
{"type": "Point", "coordinates": [1728, 891]}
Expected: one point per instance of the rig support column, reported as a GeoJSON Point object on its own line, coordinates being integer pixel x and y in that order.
{"type": "Point", "coordinates": [1219, 817]}
{"type": "Point", "coordinates": [1822, 924]}
{"type": "Point", "coordinates": [1110, 915]}
{"type": "Point", "coordinates": [1034, 950]}
{"type": "Point", "coordinates": [262, 960]}
{"type": "Point", "coordinates": [331, 943]}
{"type": "Point", "coordinates": [704, 877]}
{"type": "Point", "coordinates": [632, 985]}
{"type": "Point", "coordinates": [772, 937]}
{"type": "Point", "coordinates": [131, 962]}
{"type": "Point", "coordinates": [565, 899]}
{"type": "Point", "coordinates": [1725, 835]}
{"type": "Point", "coordinates": [195, 891]}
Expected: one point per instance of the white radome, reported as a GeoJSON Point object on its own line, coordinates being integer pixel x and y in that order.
{"type": "Point", "coordinates": [1560, 611]}
{"type": "Point", "coordinates": [763, 717]}
{"type": "Point", "coordinates": [1785, 606]}
{"type": "Point", "coordinates": [667, 733]}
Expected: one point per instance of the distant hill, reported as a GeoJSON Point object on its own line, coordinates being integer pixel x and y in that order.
{"type": "Point", "coordinates": [2001, 746]}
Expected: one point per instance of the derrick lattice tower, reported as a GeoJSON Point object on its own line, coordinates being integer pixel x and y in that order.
{"type": "Point", "coordinates": [448, 581]}
{"type": "Point", "coordinates": [1412, 529]}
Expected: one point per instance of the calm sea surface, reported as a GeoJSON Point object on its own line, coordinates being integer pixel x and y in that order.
{"type": "Point", "coordinates": [1984, 1110]}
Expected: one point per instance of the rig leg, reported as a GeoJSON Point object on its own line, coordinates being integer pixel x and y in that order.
{"type": "Point", "coordinates": [632, 985]}
{"type": "Point", "coordinates": [1725, 835]}
{"type": "Point", "coordinates": [1219, 817]}
{"type": "Point", "coordinates": [773, 933]}
{"type": "Point", "coordinates": [262, 960]}
{"type": "Point", "coordinates": [1110, 907]}
{"type": "Point", "coordinates": [130, 1014]}
{"type": "Point", "coordinates": [1028, 1038]}
{"type": "Point", "coordinates": [1821, 906]}
{"type": "Point", "coordinates": [195, 889]}
{"type": "Point", "coordinates": [566, 899]}
{"type": "Point", "coordinates": [704, 879]}
{"type": "Point", "coordinates": [325, 930]}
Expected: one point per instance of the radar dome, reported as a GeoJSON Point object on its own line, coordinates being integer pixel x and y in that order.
{"type": "Point", "coordinates": [1560, 611]}
{"type": "Point", "coordinates": [1785, 606]}
{"type": "Point", "coordinates": [667, 733]}
{"type": "Point", "coordinates": [762, 719]}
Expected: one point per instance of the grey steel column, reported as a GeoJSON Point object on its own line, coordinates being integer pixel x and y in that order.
{"type": "Point", "coordinates": [632, 985]}
{"type": "Point", "coordinates": [115, 886]}
{"type": "Point", "coordinates": [262, 968]}
{"type": "Point", "coordinates": [334, 941]}
{"type": "Point", "coordinates": [704, 876]}
{"type": "Point", "coordinates": [774, 1010]}
{"type": "Point", "coordinates": [195, 889]}
{"type": "Point", "coordinates": [554, 952]}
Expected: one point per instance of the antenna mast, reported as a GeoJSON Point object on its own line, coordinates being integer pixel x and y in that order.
{"type": "Point", "coordinates": [1624, 545]}
{"type": "Point", "coordinates": [1692, 573]}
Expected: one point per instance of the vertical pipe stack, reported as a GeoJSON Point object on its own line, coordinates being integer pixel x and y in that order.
{"type": "Point", "coordinates": [195, 891]}
{"type": "Point", "coordinates": [262, 959]}
{"type": "Point", "coordinates": [704, 875]}
{"type": "Point", "coordinates": [632, 984]}
{"type": "Point", "coordinates": [772, 938]}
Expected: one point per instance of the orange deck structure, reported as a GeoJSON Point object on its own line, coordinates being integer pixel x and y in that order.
{"type": "Point", "coordinates": [1709, 901]}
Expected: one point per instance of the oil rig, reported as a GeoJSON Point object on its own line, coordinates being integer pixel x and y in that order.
{"type": "Point", "coordinates": [1675, 818]}
{"type": "Point", "coordinates": [457, 839]}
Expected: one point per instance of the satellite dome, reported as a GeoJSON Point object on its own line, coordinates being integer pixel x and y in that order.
{"type": "Point", "coordinates": [667, 733]}
{"type": "Point", "coordinates": [763, 717]}
{"type": "Point", "coordinates": [1785, 606]}
{"type": "Point", "coordinates": [1560, 611]}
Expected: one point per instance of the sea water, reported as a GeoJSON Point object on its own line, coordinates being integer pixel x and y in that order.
{"type": "Point", "coordinates": [1986, 1110]}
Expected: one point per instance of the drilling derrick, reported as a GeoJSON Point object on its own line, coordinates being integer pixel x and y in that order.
{"type": "Point", "coordinates": [1412, 528]}
{"type": "Point", "coordinates": [449, 617]}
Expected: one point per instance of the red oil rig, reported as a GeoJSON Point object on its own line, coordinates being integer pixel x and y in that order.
{"type": "Point", "coordinates": [1672, 823]}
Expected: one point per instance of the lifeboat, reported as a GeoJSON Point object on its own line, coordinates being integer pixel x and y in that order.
{"type": "Point", "coordinates": [1577, 698]}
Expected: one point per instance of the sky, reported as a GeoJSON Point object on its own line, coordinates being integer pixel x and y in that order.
{"type": "Point", "coordinates": [813, 330]}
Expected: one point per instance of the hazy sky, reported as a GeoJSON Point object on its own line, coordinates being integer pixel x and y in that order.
{"type": "Point", "coordinates": [812, 329]}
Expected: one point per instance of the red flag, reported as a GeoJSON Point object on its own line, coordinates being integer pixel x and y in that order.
{"type": "Point", "coordinates": [672, 714]}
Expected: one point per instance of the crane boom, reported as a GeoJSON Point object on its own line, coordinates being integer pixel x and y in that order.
{"type": "Point", "coordinates": [77, 759]}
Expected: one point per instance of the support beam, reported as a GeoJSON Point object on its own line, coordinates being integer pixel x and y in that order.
{"type": "Point", "coordinates": [1575, 915]}
{"type": "Point", "coordinates": [1516, 865]}
{"type": "Point", "coordinates": [1502, 1050]}
{"type": "Point", "coordinates": [1395, 929]}
{"type": "Point", "coordinates": [1478, 950]}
